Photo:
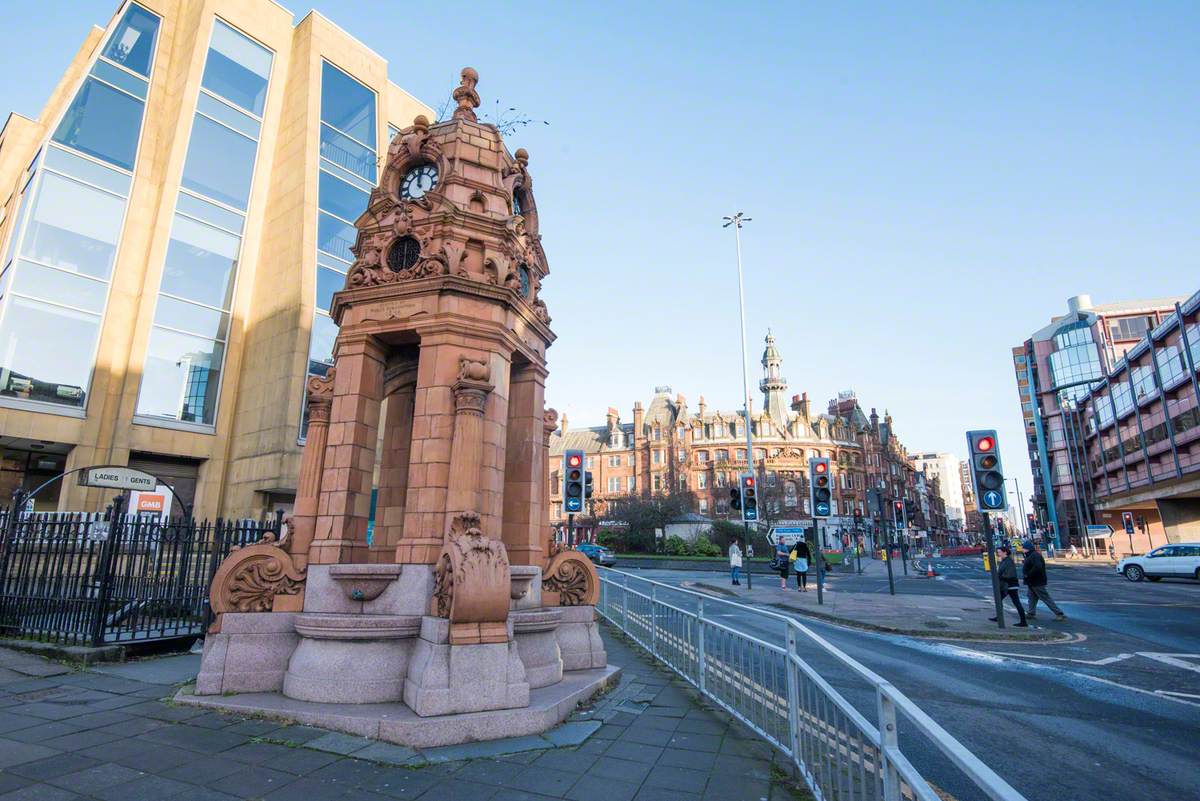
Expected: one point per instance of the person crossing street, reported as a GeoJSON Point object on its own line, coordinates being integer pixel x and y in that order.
{"type": "Point", "coordinates": [1034, 570]}
{"type": "Point", "coordinates": [1006, 572]}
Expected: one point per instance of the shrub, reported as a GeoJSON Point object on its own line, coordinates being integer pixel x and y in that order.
{"type": "Point", "coordinates": [611, 539]}
{"type": "Point", "coordinates": [703, 546]}
{"type": "Point", "coordinates": [676, 546]}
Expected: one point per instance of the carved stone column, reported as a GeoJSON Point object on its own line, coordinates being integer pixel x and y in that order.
{"type": "Point", "coordinates": [345, 505]}
{"type": "Point", "coordinates": [400, 390]}
{"type": "Point", "coordinates": [312, 466]}
{"type": "Point", "coordinates": [524, 467]}
{"type": "Point", "coordinates": [466, 449]}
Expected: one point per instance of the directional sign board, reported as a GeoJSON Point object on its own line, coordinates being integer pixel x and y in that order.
{"type": "Point", "coordinates": [124, 478]}
{"type": "Point", "coordinates": [1098, 532]}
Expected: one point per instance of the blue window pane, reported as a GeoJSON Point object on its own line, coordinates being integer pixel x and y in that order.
{"type": "Point", "coordinates": [132, 43]}
{"type": "Point", "coordinates": [102, 122]}
{"type": "Point", "coordinates": [340, 198]}
{"type": "Point", "coordinates": [87, 170]}
{"type": "Point", "coordinates": [181, 377]}
{"type": "Point", "coordinates": [347, 105]}
{"type": "Point", "coordinates": [237, 69]}
{"type": "Point", "coordinates": [328, 282]}
{"type": "Point", "coordinates": [222, 112]}
{"type": "Point", "coordinates": [184, 316]}
{"type": "Point", "coordinates": [335, 236]}
{"type": "Point", "coordinates": [348, 154]}
{"type": "Point", "coordinates": [200, 263]}
{"type": "Point", "coordinates": [46, 352]}
{"type": "Point", "coordinates": [220, 163]}
{"type": "Point", "coordinates": [73, 226]}
{"type": "Point", "coordinates": [61, 287]}
{"type": "Point", "coordinates": [209, 212]}
{"type": "Point", "coordinates": [320, 354]}
{"type": "Point", "coordinates": [120, 78]}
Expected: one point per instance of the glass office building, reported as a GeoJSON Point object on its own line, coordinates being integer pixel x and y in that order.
{"type": "Point", "coordinates": [165, 286]}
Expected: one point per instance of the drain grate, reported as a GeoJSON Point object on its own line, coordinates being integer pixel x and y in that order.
{"type": "Point", "coordinates": [633, 707]}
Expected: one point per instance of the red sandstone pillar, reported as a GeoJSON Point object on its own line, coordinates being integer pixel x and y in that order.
{"type": "Point", "coordinates": [312, 463]}
{"type": "Point", "coordinates": [345, 502]}
{"type": "Point", "coordinates": [466, 450]}
{"type": "Point", "coordinates": [400, 389]}
{"type": "Point", "coordinates": [525, 466]}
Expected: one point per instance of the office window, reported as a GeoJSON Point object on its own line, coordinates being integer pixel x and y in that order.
{"type": "Point", "coordinates": [1170, 364]}
{"type": "Point", "coordinates": [656, 457]}
{"type": "Point", "coordinates": [701, 481]}
{"type": "Point", "coordinates": [182, 374]}
{"type": "Point", "coordinates": [1143, 382]}
{"type": "Point", "coordinates": [132, 42]}
{"type": "Point", "coordinates": [103, 122]}
{"type": "Point", "coordinates": [614, 484]}
{"type": "Point", "coordinates": [614, 461]}
{"type": "Point", "coordinates": [1128, 328]}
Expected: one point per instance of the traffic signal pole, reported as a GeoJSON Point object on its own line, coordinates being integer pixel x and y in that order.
{"type": "Point", "coordinates": [991, 551]}
{"type": "Point", "coordinates": [820, 560]}
{"type": "Point", "coordinates": [736, 221]}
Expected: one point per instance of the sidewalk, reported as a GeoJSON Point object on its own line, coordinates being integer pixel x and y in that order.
{"type": "Point", "coordinates": [958, 611]}
{"type": "Point", "coordinates": [105, 733]}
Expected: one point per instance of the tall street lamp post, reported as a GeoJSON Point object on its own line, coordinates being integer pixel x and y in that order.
{"type": "Point", "coordinates": [736, 222]}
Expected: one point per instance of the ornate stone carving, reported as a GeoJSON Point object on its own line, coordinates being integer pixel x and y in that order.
{"type": "Point", "coordinates": [540, 311]}
{"type": "Point", "coordinates": [472, 584]}
{"type": "Point", "coordinates": [466, 97]}
{"type": "Point", "coordinates": [570, 580]}
{"type": "Point", "coordinates": [471, 370]}
{"type": "Point", "coordinates": [415, 144]}
{"type": "Point", "coordinates": [257, 578]}
{"type": "Point", "coordinates": [320, 395]}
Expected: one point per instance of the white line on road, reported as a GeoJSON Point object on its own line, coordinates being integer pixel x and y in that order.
{"type": "Point", "coordinates": [1108, 660]}
{"type": "Point", "coordinates": [1174, 660]}
{"type": "Point", "coordinates": [1181, 695]}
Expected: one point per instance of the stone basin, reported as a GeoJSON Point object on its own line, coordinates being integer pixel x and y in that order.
{"type": "Point", "coordinates": [521, 576]}
{"type": "Point", "coordinates": [364, 582]}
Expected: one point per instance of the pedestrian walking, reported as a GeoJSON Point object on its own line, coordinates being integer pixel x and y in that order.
{"type": "Point", "coordinates": [781, 562]}
{"type": "Point", "coordinates": [1034, 571]}
{"type": "Point", "coordinates": [735, 563]}
{"type": "Point", "coordinates": [800, 557]}
{"type": "Point", "coordinates": [1006, 571]}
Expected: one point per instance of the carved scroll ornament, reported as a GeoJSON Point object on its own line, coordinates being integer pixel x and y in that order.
{"type": "Point", "coordinates": [472, 584]}
{"type": "Point", "coordinates": [570, 580]}
{"type": "Point", "coordinates": [257, 578]}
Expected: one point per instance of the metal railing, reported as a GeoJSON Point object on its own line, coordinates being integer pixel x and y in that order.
{"type": "Point", "coordinates": [770, 688]}
{"type": "Point", "coordinates": [95, 579]}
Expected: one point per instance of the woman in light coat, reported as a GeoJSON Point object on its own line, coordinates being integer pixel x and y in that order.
{"type": "Point", "coordinates": [735, 563]}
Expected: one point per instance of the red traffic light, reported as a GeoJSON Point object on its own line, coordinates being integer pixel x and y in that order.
{"type": "Point", "coordinates": [574, 460]}
{"type": "Point", "coordinates": [749, 481]}
{"type": "Point", "coordinates": [820, 467]}
{"type": "Point", "coordinates": [985, 444]}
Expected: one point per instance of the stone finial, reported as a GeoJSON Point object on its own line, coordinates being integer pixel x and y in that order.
{"type": "Point", "coordinates": [466, 96]}
{"type": "Point", "coordinates": [522, 157]}
{"type": "Point", "coordinates": [421, 123]}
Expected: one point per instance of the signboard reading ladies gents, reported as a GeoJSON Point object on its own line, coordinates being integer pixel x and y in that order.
{"type": "Point", "coordinates": [124, 478]}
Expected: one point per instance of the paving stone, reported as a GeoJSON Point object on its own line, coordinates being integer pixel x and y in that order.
{"type": "Point", "coordinates": [490, 771]}
{"type": "Point", "coordinates": [161, 711]}
{"type": "Point", "coordinates": [647, 736]}
{"type": "Point", "coordinates": [151, 758]}
{"type": "Point", "coordinates": [709, 743]}
{"type": "Point", "coordinates": [251, 728]}
{"type": "Point", "coordinates": [41, 732]}
{"type": "Point", "coordinates": [79, 740]}
{"type": "Point", "coordinates": [203, 794]}
{"type": "Point", "coordinates": [572, 761]}
{"type": "Point", "coordinates": [596, 788]}
{"type": "Point", "coordinates": [572, 733]}
{"type": "Point", "coordinates": [257, 753]}
{"type": "Point", "coordinates": [756, 749]}
{"type": "Point", "coordinates": [134, 726]}
{"type": "Point", "coordinates": [545, 781]}
{"type": "Point", "coordinates": [686, 779]}
{"type": "Point", "coordinates": [524, 758]}
{"type": "Point", "coordinates": [622, 719]}
{"type": "Point", "coordinates": [488, 748]}
{"type": "Point", "coordinates": [41, 792]}
{"type": "Point", "coordinates": [350, 772]}
{"type": "Point", "coordinates": [194, 739]}
{"type": "Point", "coordinates": [742, 766]}
{"type": "Point", "coordinates": [146, 788]}
{"type": "Point", "coordinates": [252, 782]}
{"type": "Point", "coordinates": [212, 720]}
{"type": "Point", "coordinates": [730, 787]}
{"type": "Point", "coordinates": [15, 753]}
{"type": "Point", "coordinates": [509, 794]}
{"type": "Point", "coordinates": [388, 753]}
{"type": "Point", "coordinates": [665, 794]}
{"type": "Point", "coordinates": [594, 746]}
{"type": "Point", "coordinates": [204, 770]}
{"type": "Point", "coordinates": [57, 765]}
{"type": "Point", "coordinates": [398, 783]}
{"type": "Point", "coordinates": [313, 790]}
{"type": "Point", "coordinates": [700, 726]}
{"type": "Point", "coordinates": [339, 743]}
{"type": "Point", "coordinates": [458, 790]}
{"type": "Point", "coordinates": [297, 735]}
{"type": "Point", "coordinates": [11, 781]}
{"type": "Point", "coordinates": [655, 722]}
{"type": "Point", "coordinates": [636, 752]}
{"type": "Point", "coordinates": [48, 711]}
{"type": "Point", "coordinates": [90, 780]}
{"type": "Point", "coordinates": [609, 731]}
{"type": "Point", "coordinates": [620, 769]}
{"type": "Point", "coordinates": [302, 761]}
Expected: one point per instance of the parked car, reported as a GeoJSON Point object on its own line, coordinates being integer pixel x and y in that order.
{"type": "Point", "coordinates": [598, 554]}
{"type": "Point", "coordinates": [1178, 560]}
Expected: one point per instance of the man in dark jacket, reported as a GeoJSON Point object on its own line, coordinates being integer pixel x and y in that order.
{"type": "Point", "coordinates": [1035, 581]}
{"type": "Point", "coordinates": [1006, 572]}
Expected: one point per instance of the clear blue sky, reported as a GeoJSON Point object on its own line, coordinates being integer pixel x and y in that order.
{"type": "Point", "coordinates": [929, 182]}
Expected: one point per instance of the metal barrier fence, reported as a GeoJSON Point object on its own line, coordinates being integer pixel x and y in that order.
{"type": "Point", "coordinates": [768, 686]}
{"type": "Point", "coordinates": [95, 579]}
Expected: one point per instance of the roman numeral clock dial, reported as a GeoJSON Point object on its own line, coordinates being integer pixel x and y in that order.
{"type": "Point", "coordinates": [418, 181]}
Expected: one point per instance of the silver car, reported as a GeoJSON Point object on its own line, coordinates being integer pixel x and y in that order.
{"type": "Point", "coordinates": [1177, 560]}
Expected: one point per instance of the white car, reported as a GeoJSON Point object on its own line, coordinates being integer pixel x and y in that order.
{"type": "Point", "coordinates": [1178, 560]}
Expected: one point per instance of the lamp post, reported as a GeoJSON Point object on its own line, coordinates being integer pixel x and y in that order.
{"type": "Point", "coordinates": [736, 222]}
{"type": "Point", "coordinates": [1021, 506]}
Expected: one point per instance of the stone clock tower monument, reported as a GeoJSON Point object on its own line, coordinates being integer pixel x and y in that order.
{"type": "Point", "coordinates": [442, 342]}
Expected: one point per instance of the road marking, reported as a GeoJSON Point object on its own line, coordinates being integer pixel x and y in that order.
{"type": "Point", "coordinates": [948, 617]}
{"type": "Point", "coordinates": [1108, 660]}
{"type": "Point", "coordinates": [1174, 660]}
{"type": "Point", "coordinates": [1181, 695]}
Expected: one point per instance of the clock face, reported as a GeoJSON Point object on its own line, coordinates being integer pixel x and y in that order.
{"type": "Point", "coordinates": [418, 181]}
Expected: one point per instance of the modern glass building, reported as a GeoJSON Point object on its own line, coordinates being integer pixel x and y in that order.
{"type": "Point", "coordinates": [176, 221]}
{"type": "Point", "coordinates": [1055, 370]}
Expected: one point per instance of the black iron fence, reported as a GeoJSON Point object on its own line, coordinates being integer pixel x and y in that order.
{"type": "Point", "coordinates": [95, 579]}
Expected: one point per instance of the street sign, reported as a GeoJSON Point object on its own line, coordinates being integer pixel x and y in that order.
{"type": "Point", "coordinates": [124, 478]}
{"type": "Point", "coordinates": [1099, 532]}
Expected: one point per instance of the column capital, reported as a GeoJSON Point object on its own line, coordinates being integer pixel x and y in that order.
{"type": "Point", "coordinates": [470, 397]}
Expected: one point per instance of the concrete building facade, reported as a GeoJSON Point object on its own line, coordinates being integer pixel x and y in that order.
{"type": "Point", "coordinates": [1054, 369]}
{"type": "Point", "coordinates": [945, 468]}
{"type": "Point", "coordinates": [177, 220]}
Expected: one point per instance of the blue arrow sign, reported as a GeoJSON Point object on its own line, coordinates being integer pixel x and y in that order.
{"type": "Point", "coordinates": [822, 508]}
{"type": "Point", "coordinates": [993, 499]}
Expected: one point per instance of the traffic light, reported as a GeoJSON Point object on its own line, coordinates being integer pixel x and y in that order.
{"type": "Point", "coordinates": [1031, 519]}
{"type": "Point", "coordinates": [820, 495]}
{"type": "Point", "coordinates": [749, 499]}
{"type": "Point", "coordinates": [987, 474]}
{"type": "Point", "coordinates": [898, 519]}
{"type": "Point", "coordinates": [573, 481]}
{"type": "Point", "coordinates": [1127, 520]}
{"type": "Point", "coordinates": [587, 484]}
{"type": "Point", "coordinates": [735, 498]}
